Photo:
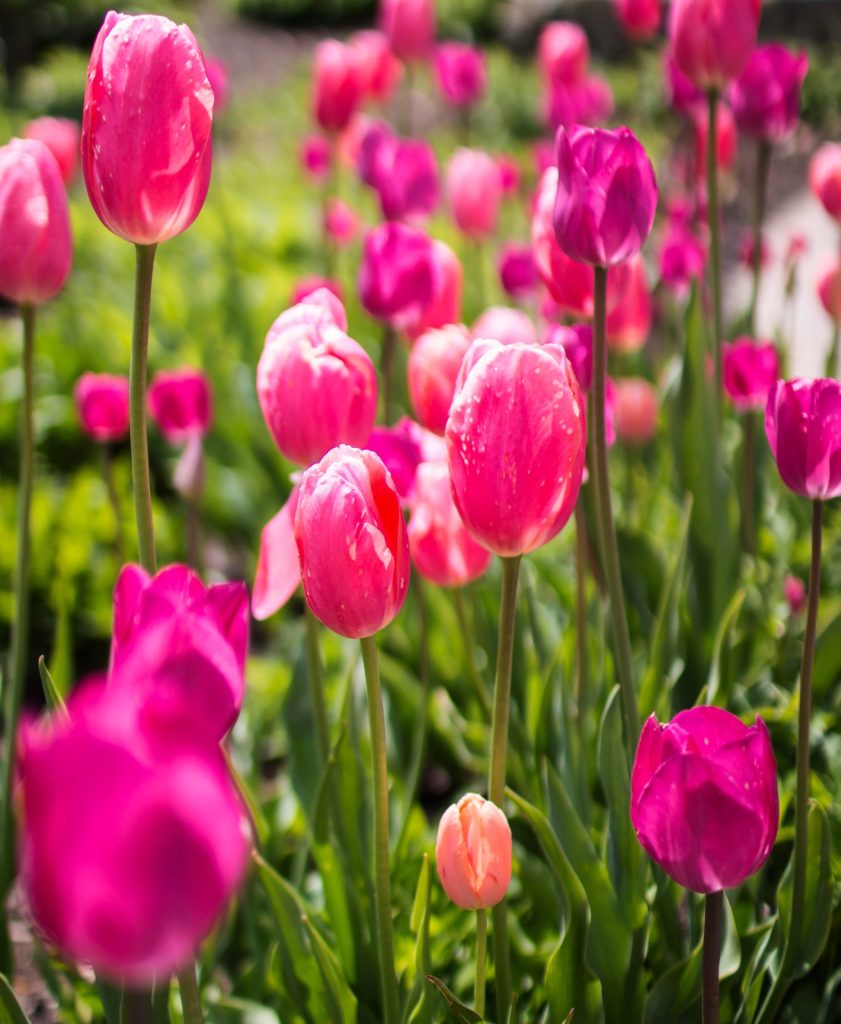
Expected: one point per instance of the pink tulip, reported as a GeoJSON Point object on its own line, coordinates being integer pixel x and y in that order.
{"type": "Point", "coordinates": [766, 96]}
{"type": "Point", "coordinates": [217, 75]}
{"type": "Point", "coordinates": [794, 591]}
{"type": "Point", "coordinates": [704, 798]}
{"type": "Point", "coordinates": [357, 583]}
{"type": "Point", "coordinates": [374, 137]}
{"type": "Point", "coordinates": [543, 153]}
{"type": "Point", "coordinates": [606, 197]}
{"type": "Point", "coordinates": [316, 156]}
{"type": "Point", "coordinates": [797, 245]}
{"type": "Point", "coordinates": [629, 322]}
{"type": "Point", "coordinates": [639, 18]}
{"type": "Point", "coordinates": [803, 426]}
{"type": "Point", "coordinates": [473, 853]}
{"type": "Point", "coordinates": [146, 128]}
{"type": "Point", "coordinates": [337, 85]}
{"type": "Point", "coordinates": [379, 69]}
{"type": "Point", "coordinates": [683, 256]}
{"type": "Point", "coordinates": [128, 863]}
{"type": "Point", "coordinates": [712, 40]}
{"type": "Point", "coordinates": [563, 52]}
{"type": "Point", "coordinates": [570, 283]}
{"type": "Point", "coordinates": [683, 96]}
{"type": "Point", "coordinates": [323, 292]}
{"type": "Point", "coordinates": [829, 287]}
{"type": "Point", "coordinates": [278, 569]}
{"type": "Point", "coordinates": [410, 27]}
{"type": "Point", "coordinates": [178, 650]}
{"type": "Point", "coordinates": [751, 368]}
{"type": "Point", "coordinates": [577, 343]}
{"type": "Point", "coordinates": [474, 189]}
{"type": "Point", "coordinates": [588, 102]}
{"type": "Point", "coordinates": [461, 73]}
{"type": "Point", "coordinates": [61, 136]}
{"type": "Point", "coordinates": [434, 362]}
{"type": "Point", "coordinates": [102, 405]}
{"type": "Point", "coordinates": [516, 439]}
{"type": "Point", "coordinates": [506, 325]}
{"type": "Point", "coordinates": [180, 403]}
{"type": "Point", "coordinates": [341, 224]}
{"type": "Point", "coordinates": [445, 305]}
{"type": "Point", "coordinates": [825, 177]}
{"type": "Point", "coordinates": [726, 139]}
{"type": "Point", "coordinates": [517, 270]}
{"type": "Point", "coordinates": [509, 174]}
{"type": "Point", "coordinates": [400, 451]}
{"type": "Point", "coordinates": [399, 276]}
{"type": "Point", "coordinates": [36, 248]}
{"type": "Point", "coordinates": [316, 386]}
{"type": "Point", "coordinates": [406, 178]}
{"type": "Point", "coordinates": [635, 410]}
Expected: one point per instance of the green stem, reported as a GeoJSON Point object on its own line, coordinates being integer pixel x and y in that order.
{"type": "Point", "coordinates": [581, 652]}
{"type": "Point", "coordinates": [749, 483]}
{"type": "Point", "coordinates": [114, 500]}
{"type": "Point", "coordinates": [713, 217]}
{"type": "Point", "coordinates": [763, 163]}
{"type": "Point", "coordinates": [467, 637]}
{"type": "Point", "coordinates": [713, 905]}
{"type": "Point", "coordinates": [604, 514]}
{"type": "Point", "coordinates": [387, 353]}
{"type": "Point", "coordinates": [136, 1006]}
{"type": "Point", "coordinates": [137, 407]}
{"type": "Point", "coordinates": [385, 939]}
{"type": "Point", "coordinates": [190, 999]}
{"type": "Point", "coordinates": [316, 677]}
{"type": "Point", "coordinates": [481, 956]}
{"type": "Point", "coordinates": [14, 687]}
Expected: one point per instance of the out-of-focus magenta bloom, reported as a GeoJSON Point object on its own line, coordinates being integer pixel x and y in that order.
{"type": "Point", "coordinates": [797, 245]}
{"type": "Point", "coordinates": [159, 827]}
{"type": "Point", "coordinates": [727, 140]}
{"type": "Point", "coordinates": [340, 222]}
{"type": "Point", "coordinates": [473, 853]}
{"type": "Point", "coordinates": [102, 405]}
{"type": "Point", "coordinates": [180, 402]}
{"type": "Point", "coordinates": [433, 367]}
{"type": "Point", "coordinates": [445, 305]}
{"type": "Point", "coordinates": [794, 591]}
{"type": "Point", "coordinates": [461, 73]}
{"type": "Point", "coordinates": [577, 342]}
{"type": "Point", "coordinates": [629, 321]}
{"type": "Point", "coordinates": [337, 85]}
{"type": "Point", "coordinates": [474, 189]}
{"type": "Point", "coordinates": [569, 282]}
{"type": "Point", "coordinates": [36, 250]}
{"type": "Point", "coordinates": [178, 651]}
{"type": "Point", "coordinates": [639, 18]}
{"type": "Point", "coordinates": [803, 426]}
{"type": "Point", "coordinates": [683, 256]}
{"type": "Point", "coordinates": [406, 178]}
{"type": "Point", "coordinates": [747, 250]}
{"type": "Point", "coordinates": [410, 27]}
{"type": "Point", "coordinates": [379, 69]}
{"type": "Point", "coordinates": [606, 197]}
{"type": "Point", "coordinates": [829, 287]}
{"type": "Point", "coordinates": [683, 96]}
{"type": "Point", "coordinates": [506, 325]}
{"type": "Point", "coordinates": [825, 177]}
{"type": "Point", "coordinates": [399, 275]}
{"type": "Point", "coordinates": [517, 270]}
{"type": "Point", "coordinates": [563, 52]}
{"type": "Point", "coordinates": [278, 569]}
{"type": "Point", "coordinates": [704, 798]}
{"type": "Point", "coordinates": [635, 410]}
{"type": "Point", "coordinates": [316, 386]}
{"type": "Point", "coordinates": [373, 136]}
{"type": "Point", "coordinates": [402, 449]}
{"type": "Point", "coordinates": [509, 174]}
{"type": "Point", "coordinates": [751, 368]}
{"type": "Point", "coordinates": [146, 128]}
{"type": "Point", "coordinates": [323, 292]}
{"type": "Point", "coordinates": [61, 136]}
{"type": "Point", "coordinates": [712, 40]}
{"type": "Point", "coordinates": [356, 584]}
{"type": "Point", "coordinates": [588, 102]}
{"type": "Point", "coordinates": [316, 156]}
{"type": "Point", "coordinates": [543, 153]}
{"type": "Point", "coordinates": [217, 75]}
{"type": "Point", "coordinates": [766, 96]}
{"type": "Point", "coordinates": [516, 438]}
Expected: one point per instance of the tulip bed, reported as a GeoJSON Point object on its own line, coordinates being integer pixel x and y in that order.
{"type": "Point", "coordinates": [419, 671]}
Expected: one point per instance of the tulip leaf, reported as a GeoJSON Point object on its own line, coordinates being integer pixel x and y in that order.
{"type": "Point", "coordinates": [54, 700]}
{"type": "Point", "coordinates": [827, 667]}
{"type": "Point", "coordinates": [11, 1012]}
{"type": "Point", "coordinates": [460, 1012]}
{"type": "Point", "coordinates": [342, 999]}
{"type": "Point", "coordinates": [720, 677]}
{"type": "Point", "coordinates": [418, 1009]}
{"type": "Point", "coordinates": [232, 1010]}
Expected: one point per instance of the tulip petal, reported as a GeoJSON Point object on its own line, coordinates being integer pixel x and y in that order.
{"type": "Point", "coordinates": [278, 567]}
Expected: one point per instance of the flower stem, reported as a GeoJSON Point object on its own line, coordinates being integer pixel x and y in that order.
{"type": "Point", "coordinates": [190, 999]}
{"type": "Point", "coordinates": [763, 163]}
{"type": "Point", "coordinates": [13, 688]}
{"type": "Point", "coordinates": [481, 956]}
{"type": "Point", "coordinates": [382, 883]}
{"type": "Point", "coordinates": [137, 407]}
{"type": "Point", "coordinates": [713, 218]}
{"type": "Point", "coordinates": [713, 905]}
{"type": "Point", "coordinates": [749, 482]}
{"type": "Point", "coordinates": [604, 515]}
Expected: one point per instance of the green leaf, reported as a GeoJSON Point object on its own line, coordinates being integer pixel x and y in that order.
{"type": "Point", "coordinates": [460, 1012]}
{"type": "Point", "coordinates": [418, 1008]}
{"type": "Point", "coordinates": [817, 903]}
{"type": "Point", "coordinates": [10, 1008]}
{"type": "Point", "coordinates": [720, 677]}
{"type": "Point", "coordinates": [827, 666]}
{"type": "Point", "coordinates": [342, 998]}
{"type": "Point", "coordinates": [111, 995]}
{"type": "Point", "coordinates": [55, 702]}
{"type": "Point", "coordinates": [231, 1010]}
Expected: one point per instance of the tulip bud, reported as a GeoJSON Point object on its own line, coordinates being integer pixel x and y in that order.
{"type": "Point", "coordinates": [473, 853]}
{"type": "Point", "coordinates": [516, 438]}
{"type": "Point", "coordinates": [606, 197]}
{"type": "Point", "coordinates": [766, 96]}
{"type": "Point", "coordinates": [803, 426]}
{"type": "Point", "coordinates": [794, 591]}
{"type": "Point", "coordinates": [341, 224]}
{"type": "Point", "coordinates": [462, 76]}
{"type": "Point", "coordinates": [337, 85]}
{"type": "Point", "coordinates": [61, 136]}
{"type": "Point", "coordinates": [398, 276]}
{"type": "Point", "coordinates": [563, 52]}
{"type": "Point", "coordinates": [434, 362]}
{"type": "Point", "coordinates": [102, 406]}
{"type": "Point", "coordinates": [751, 368]}
{"type": "Point", "coordinates": [825, 177]}
{"type": "Point", "coordinates": [635, 410]}
{"type": "Point", "coordinates": [704, 798]}
{"type": "Point", "coordinates": [180, 403]}
{"type": "Point", "coordinates": [315, 156]}
{"type": "Point", "coordinates": [410, 27]}
{"type": "Point", "coordinates": [639, 18]}
{"type": "Point", "coordinates": [146, 128]}
{"type": "Point", "coordinates": [712, 40]}
{"type": "Point", "coordinates": [36, 247]}
{"type": "Point", "coordinates": [474, 189]}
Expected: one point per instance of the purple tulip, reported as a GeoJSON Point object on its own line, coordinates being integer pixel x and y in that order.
{"type": "Point", "coordinates": [766, 96]}
{"type": "Point", "coordinates": [803, 425]}
{"type": "Point", "coordinates": [399, 275]}
{"type": "Point", "coordinates": [517, 270]}
{"type": "Point", "coordinates": [462, 76]}
{"type": "Point", "coordinates": [405, 175]}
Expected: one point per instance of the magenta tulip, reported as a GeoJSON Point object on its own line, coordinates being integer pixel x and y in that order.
{"type": "Point", "coordinates": [219, 78]}
{"type": "Point", "coordinates": [517, 270]}
{"type": "Point", "coordinates": [766, 96]}
{"type": "Point", "coordinates": [726, 138]}
{"type": "Point", "coordinates": [316, 156]}
{"type": "Point", "coordinates": [794, 591]}
{"type": "Point", "coordinates": [803, 426]}
{"type": "Point", "coordinates": [398, 276]}
{"type": "Point", "coordinates": [474, 189]}
{"type": "Point", "coordinates": [751, 368]}
{"type": "Point", "coordinates": [639, 18]}
{"type": "Point", "coordinates": [569, 282]}
{"type": "Point", "coordinates": [577, 342]}
{"type": "Point", "coordinates": [684, 96]}
{"type": "Point", "coordinates": [278, 569]}
{"type": "Point", "coordinates": [712, 40]}
{"type": "Point", "coordinates": [683, 255]}
{"type": "Point", "coordinates": [704, 798]}
{"type": "Point", "coordinates": [461, 73]}
{"type": "Point", "coordinates": [131, 859]}
{"type": "Point", "coordinates": [36, 250]}
{"type": "Point", "coordinates": [316, 386]}
{"type": "Point", "coordinates": [61, 136]}
{"type": "Point", "coordinates": [146, 128]}
{"type": "Point", "coordinates": [337, 85]}
{"type": "Point", "coordinates": [341, 224]}
{"type": "Point", "coordinates": [563, 52]}
{"type": "Point", "coordinates": [180, 402]}
{"type": "Point", "coordinates": [405, 175]}
{"type": "Point", "coordinates": [509, 174]}
{"type": "Point", "coordinates": [587, 102]}
{"type": "Point", "coordinates": [473, 853]}
{"type": "Point", "coordinates": [410, 27]}
{"type": "Point", "coordinates": [380, 71]}
{"type": "Point", "coordinates": [357, 583]}
{"type": "Point", "coordinates": [506, 325]}
{"type": "Point", "coordinates": [607, 195]}
{"type": "Point", "coordinates": [445, 305]}
{"type": "Point", "coordinates": [629, 321]}
{"type": "Point", "coordinates": [433, 367]}
{"type": "Point", "coordinates": [825, 177]}
{"type": "Point", "coordinates": [635, 410]}
{"type": "Point", "coordinates": [102, 405]}
{"type": "Point", "coordinates": [516, 438]}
